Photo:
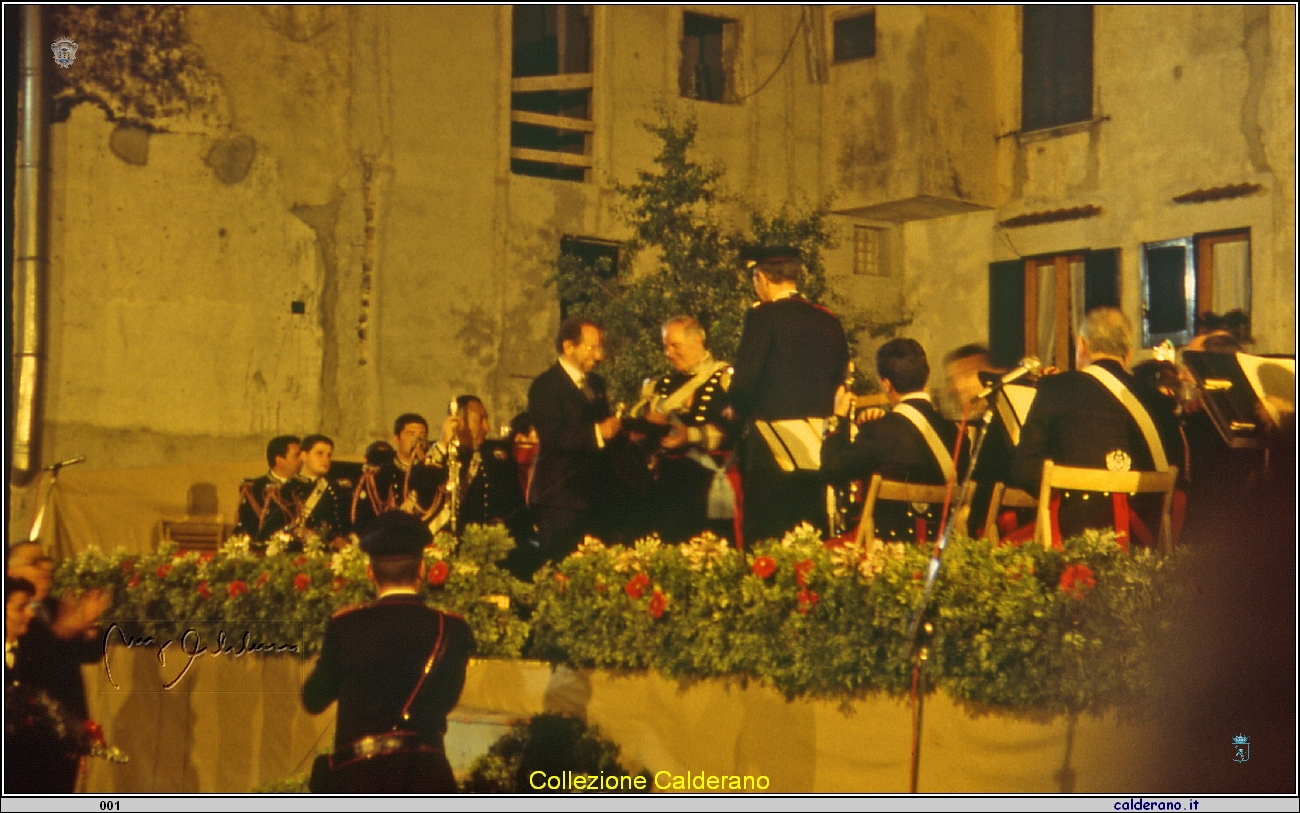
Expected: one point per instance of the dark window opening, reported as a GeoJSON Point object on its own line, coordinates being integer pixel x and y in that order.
{"type": "Point", "coordinates": [598, 258]}
{"type": "Point", "coordinates": [1056, 78]}
{"type": "Point", "coordinates": [1168, 292]}
{"type": "Point", "coordinates": [551, 99]}
{"type": "Point", "coordinates": [550, 40]}
{"type": "Point", "coordinates": [704, 70]}
{"type": "Point", "coordinates": [855, 37]}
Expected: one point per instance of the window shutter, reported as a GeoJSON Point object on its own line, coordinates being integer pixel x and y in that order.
{"type": "Point", "coordinates": [1101, 279]}
{"type": "Point", "coordinates": [1006, 312]}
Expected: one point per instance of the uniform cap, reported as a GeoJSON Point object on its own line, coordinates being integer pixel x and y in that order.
{"type": "Point", "coordinates": [396, 534]}
{"type": "Point", "coordinates": [757, 255]}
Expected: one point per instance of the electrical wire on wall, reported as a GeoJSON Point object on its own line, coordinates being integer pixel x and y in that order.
{"type": "Point", "coordinates": [803, 16]}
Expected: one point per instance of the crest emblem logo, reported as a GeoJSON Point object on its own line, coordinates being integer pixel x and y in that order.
{"type": "Point", "coordinates": [1118, 460]}
{"type": "Point", "coordinates": [1240, 748]}
{"type": "Point", "coordinates": [65, 52]}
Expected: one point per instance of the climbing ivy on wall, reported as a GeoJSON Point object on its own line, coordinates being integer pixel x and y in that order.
{"type": "Point", "coordinates": [137, 63]}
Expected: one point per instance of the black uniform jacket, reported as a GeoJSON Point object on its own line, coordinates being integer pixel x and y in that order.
{"type": "Point", "coordinates": [1076, 421]}
{"type": "Point", "coordinates": [894, 448]}
{"type": "Point", "coordinates": [265, 506]}
{"type": "Point", "coordinates": [371, 661]}
{"type": "Point", "coordinates": [792, 358]}
{"type": "Point", "coordinates": [570, 465]}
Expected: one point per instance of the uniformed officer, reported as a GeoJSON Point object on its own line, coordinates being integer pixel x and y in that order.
{"type": "Point", "coordinates": [792, 356]}
{"type": "Point", "coordinates": [403, 482]}
{"type": "Point", "coordinates": [265, 505]}
{"type": "Point", "coordinates": [913, 443]}
{"type": "Point", "coordinates": [1098, 417]}
{"type": "Point", "coordinates": [690, 492]}
{"type": "Point", "coordinates": [396, 668]}
{"type": "Point", "coordinates": [321, 501]}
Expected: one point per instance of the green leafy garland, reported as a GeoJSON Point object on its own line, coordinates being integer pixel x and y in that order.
{"type": "Point", "coordinates": [1021, 628]}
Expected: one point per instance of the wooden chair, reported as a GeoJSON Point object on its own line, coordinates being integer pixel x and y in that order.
{"type": "Point", "coordinates": [1004, 497]}
{"type": "Point", "coordinates": [895, 491]}
{"type": "Point", "coordinates": [1106, 482]}
{"type": "Point", "coordinates": [198, 533]}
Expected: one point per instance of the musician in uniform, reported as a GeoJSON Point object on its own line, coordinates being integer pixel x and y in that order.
{"type": "Point", "coordinates": [912, 443]}
{"type": "Point", "coordinates": [403, 483]}
{"type": "Point", "coordinates": [396, 668]}
{"type": "Point", "coordinates": [690, 492]}
{"type": "Point", "coordinates": [1079, 419]}
{"type": "Point", "coordinates": [967, 369]}
{"type": "Point", "coordinates": [322, 502]}
{"type": "Point", "coordinates": [488, 480]}
{"type": "Point", "coordinates": [266, 505]}
{"type": "Point", "coordinates": [792, 357]}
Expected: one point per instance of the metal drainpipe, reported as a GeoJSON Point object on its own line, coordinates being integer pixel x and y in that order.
{"type": "Point", "coordinates": [30, 260]}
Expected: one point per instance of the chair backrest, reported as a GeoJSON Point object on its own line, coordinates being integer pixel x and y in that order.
{"type": "Point", "coordinates": [896, 491]}
{"type": "Point", "coordinates": [1107, 482]}
{"type": "Point", "coordinates": [1004, 497]}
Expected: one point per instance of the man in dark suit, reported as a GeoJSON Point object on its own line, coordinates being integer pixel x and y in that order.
{"type": "Point", "coordinates": [571, 413]}
{"type": "Point", "coordinates": [266, 503]}
{"type": "Point", "coordinates": [792, 357]}
{"type": "Point", "coordinates": [913, 443]}
{"type": "Point", "coordinates": [396, 668]}
{"type": "Point", "coordinates": [1076, 420]}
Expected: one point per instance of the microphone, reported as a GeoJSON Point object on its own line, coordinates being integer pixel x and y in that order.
{"type": "Point", "coordinates": [1028, 366]}
{"type": "Point", "coordinates": [81, 458]}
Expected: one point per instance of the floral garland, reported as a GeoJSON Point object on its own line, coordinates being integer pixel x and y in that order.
{"type": "Point", "coordinates": [1018, 627]}
{"type": "Point", "coordinates": [297, 592]}
{"type": "Point", "coordinates": [1021, 627]}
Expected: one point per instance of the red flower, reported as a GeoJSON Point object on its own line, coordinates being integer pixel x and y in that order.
{"type": "Point", "coordinates": [657, 604]}
{"type": "Point", "coordinates": [562, 580]}
{"type": "Point", "coordinates": [635, 587]}
{"type": "Point", "coordinates": [261, 580]}
{"type": "Point", "coordinates": [135, 580]}
{"type": "Point", "coordinates": [338, 583]}
{"type": "Point", "coordinates": [128, 565]}
{"type": "Point", "coordinates": [302, 581]}
{"type": "Point", "coordinates": [764, 566]}
{"type": "Point", "coordinates": [916, 575]}
{"type": "Point", "coordinates": [94, 732]}
{"type": "Point", "coordinates": [204, 591]}
{"type": "Point", "coordinates": [801, 571]}
{"type": "Point", "coordinates": [163, 570]}
{"type": "Point", "coordinates": [206, 556]}
{"type": "Point", "coordinates": [238, 588]}
{"type": "Point", "coordinates": [807, 600]}
{"type": "Point", "coordinates": [1077, 580]}
{"type": "Point", "coordinates": [300, 561]}
{"type": "Point", "coordinates": [438, 573]}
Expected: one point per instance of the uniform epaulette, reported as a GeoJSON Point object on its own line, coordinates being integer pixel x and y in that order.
{"type": "Point", "coordinates": [823, 309]}
{"type": "Point", "coordinates": [453, 615]}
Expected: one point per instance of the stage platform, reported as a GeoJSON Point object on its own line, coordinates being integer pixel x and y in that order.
{"type": "Point", "coordinates": [232, 724]}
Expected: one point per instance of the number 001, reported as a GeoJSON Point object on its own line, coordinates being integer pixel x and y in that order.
{"type": "Point", "coordinates": [110, 805]}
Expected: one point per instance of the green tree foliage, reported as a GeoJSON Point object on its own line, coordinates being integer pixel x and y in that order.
{"type": "Point", "coordinates": [680, 211]}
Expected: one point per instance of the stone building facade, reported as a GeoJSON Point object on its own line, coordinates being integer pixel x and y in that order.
{"type": "Point", "coordinates": [360, 219]}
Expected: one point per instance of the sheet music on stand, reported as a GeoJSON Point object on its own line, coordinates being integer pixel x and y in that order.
{"type": "Point", "coordinates": [1012, 403]}
{"type": "Point", "coordinates": [1232, 401]}
{"type": "Point", "coordinates": [1273, 380]}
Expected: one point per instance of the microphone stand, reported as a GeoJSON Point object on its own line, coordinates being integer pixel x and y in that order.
{"type": "Point", "coordinates": [916, 652]}
{"type": "Point", "coordinates": [54, 470]}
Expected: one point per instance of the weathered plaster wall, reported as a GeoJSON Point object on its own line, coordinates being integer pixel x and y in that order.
{"type": "Point", "coordinates": [1207, 103]}
{"type": "Point", "coordinates": [357, 162]}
